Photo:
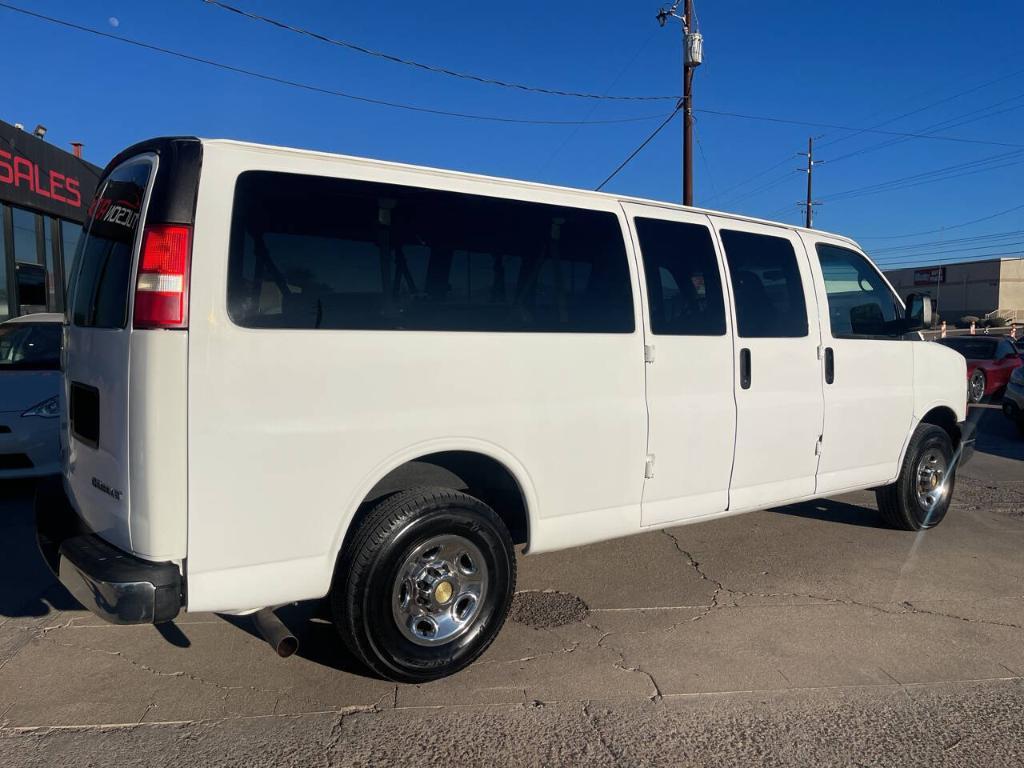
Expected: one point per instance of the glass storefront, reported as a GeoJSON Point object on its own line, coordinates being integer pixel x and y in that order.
{"type": "Point", "coordinates": [36, 251]}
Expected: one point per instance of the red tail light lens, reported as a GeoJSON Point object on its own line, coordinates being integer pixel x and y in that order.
{"type": "Point", "coordinates": [161, 291]}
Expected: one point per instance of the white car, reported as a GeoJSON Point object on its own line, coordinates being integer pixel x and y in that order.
{"type": "Point", "coordinates": [30, 382]}
{"type": "Point", "coordinates": [294, 375]}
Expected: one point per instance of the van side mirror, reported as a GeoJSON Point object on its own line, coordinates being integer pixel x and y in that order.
{"type": "Point", "coordinates": [918, 315]}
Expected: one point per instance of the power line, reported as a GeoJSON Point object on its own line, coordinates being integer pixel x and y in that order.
{"type": "Point", "coordinates": [909, 257]}
{"type": "Point", "coordinates": [756, 176]}
{"type": "Point", "coordinates": [597, 104]}
{"type": "Point", "coordinates": [637, 151]}
{"type": "Point", "coordinates": [315, 88]}
{"type": "Point", "coordinates": [929, 106]}
{"type": "Point", "coordinates": [952, 260]}
{"type": "Point", "coordinates": [953, 122]}
{"type": "Point", "coordinates": [928, 244]}
{"type": "Point", "coordinates": [927, 177]}
{"type": "Point", "coordinates": [944, 229]}
{"type": "Point", "coordinates": [807, 123]}
{"type": "Point", "coordinates": [427, 67]}
{"type": "Point", "coordinates": [707, 165]}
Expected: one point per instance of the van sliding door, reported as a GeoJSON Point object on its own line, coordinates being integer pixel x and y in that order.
{"type": "Point", "coordinates": [690, 366]}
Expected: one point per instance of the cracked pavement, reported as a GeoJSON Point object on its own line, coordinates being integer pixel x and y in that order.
{"type": "Point", "coordinates": [803, 635]}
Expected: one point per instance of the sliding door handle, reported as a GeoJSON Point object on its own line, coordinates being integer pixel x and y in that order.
{"type": "Point", "coordinates": [745, 368]}
{"type": "Point", "coordinates": [830, 365]}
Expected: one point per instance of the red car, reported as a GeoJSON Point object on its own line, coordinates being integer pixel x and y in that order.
{"type": "Point", "coordinates": [990, 361]}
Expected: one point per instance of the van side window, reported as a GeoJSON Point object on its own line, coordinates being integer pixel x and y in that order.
{"type": "Point", "coordinates": [860, 304]}
{"type": "Point", "coordinates": [766, 284]}
{"type": "Point", "coordinates": [315, 252]}
{"type": "Point", "coordinates": [684, 286]}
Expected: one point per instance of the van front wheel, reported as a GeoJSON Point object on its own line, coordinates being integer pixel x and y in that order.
{"type": "Point", "coordinates": [922, 493]}
{"type": "Point", "coordinates": [425, 585]}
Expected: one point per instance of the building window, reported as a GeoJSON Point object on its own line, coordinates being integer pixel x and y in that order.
{"type": "Point", "coordinates": [70, 234]}
{"type": "Point", "coordinates": [5, 301]}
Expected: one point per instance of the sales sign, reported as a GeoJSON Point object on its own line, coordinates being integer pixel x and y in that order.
{"type": "Point", "coordinates": [41, 177]}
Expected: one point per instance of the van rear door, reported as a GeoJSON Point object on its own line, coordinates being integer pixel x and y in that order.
{"type": "Point", "coordinates": [97, 357]}
{"type": "Point", "coordinates": [126, 359]}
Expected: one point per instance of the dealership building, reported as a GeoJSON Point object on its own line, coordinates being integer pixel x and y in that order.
{"type": "Point", "coordinates": [968, 288]}
{"type": "Point", "coordinates": [44, 197]}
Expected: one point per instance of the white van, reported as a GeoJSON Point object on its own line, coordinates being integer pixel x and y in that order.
{"type": "Point", "coordinates": [293, 375]}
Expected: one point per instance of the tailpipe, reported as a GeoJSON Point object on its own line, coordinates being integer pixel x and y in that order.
{"type": "Point", "coordinates": [273, 630]}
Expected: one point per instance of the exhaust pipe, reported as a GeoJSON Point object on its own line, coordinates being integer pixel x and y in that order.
{"type": "Point", "coordinates": [273, 630]}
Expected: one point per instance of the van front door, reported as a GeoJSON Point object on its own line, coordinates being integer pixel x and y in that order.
{"type": "Point", "coordinates": [779, 406]}
{"type": "Point", "coordinates": [869, 370]}
{"type": "Point", "coordinates": [690, 401]}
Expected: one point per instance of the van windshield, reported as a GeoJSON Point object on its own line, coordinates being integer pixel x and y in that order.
{"type": "Point", "coordinates": [30, 346]}
{"type": "Point", "coordinates": [100, 288]}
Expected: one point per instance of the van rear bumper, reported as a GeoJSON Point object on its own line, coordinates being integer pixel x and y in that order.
{"type": "Point", "coordinates": [113, 584]}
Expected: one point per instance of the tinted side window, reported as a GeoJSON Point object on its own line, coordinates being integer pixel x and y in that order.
{"type": "Point", "coordinates": [312, 252]}
{"type": "Point", "coordinates": [859, 301]}
{"type": "Point", "coordinates": [100, 291]}
{"type": "Point", "coordinates": [684, 287]}
{"type": "Point", "coordinates": [766, 283]}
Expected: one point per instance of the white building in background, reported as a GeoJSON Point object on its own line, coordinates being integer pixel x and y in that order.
{"type": "Point", "coordinates": [968, 288]}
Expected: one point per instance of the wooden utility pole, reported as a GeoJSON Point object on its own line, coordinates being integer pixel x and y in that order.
{"type": "Point", "coordinates": [809, 203]}
{"type": "Point", "coordinates": [687, 106]}
{"type": "Point", "coordinates": [693, 55]}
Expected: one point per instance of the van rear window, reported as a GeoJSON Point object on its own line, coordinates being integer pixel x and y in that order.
{"type": "Point", "coordinates": [99, 292]}
{"type": "Point", "coordinates": [313, 252]}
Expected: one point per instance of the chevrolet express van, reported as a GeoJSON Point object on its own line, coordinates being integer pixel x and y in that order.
{"type": "Point", "coordinates": [292, 375]}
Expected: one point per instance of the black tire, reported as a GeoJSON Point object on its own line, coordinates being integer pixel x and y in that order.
{"type": "Point", "coordinates": [898, 503]}
{"type": "Point", "coordinates": [367, 576]}
{"type": "Point", "coordinates": [976, 386]}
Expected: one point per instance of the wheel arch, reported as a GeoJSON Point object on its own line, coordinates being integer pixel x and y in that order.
{"type": "Point", "coordinates": [481, 469]}
{"type": "Point", "coordinates": [944, 417]}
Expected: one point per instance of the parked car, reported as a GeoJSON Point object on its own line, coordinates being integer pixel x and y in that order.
{"type": "Point", "coordinates": [30, 382]}
{"type": "Point", "coordinates": [1013, 399]}
{"type": "Point", "coordinates": [990, 361]}
{"type": "Point", "coordinates": [294, 375]}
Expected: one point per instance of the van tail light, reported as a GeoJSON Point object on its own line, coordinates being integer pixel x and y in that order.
{"type": "Point", "coordinates": [161, 291]}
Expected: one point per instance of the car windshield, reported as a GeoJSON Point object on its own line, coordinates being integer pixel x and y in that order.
{"type": "Point", "coordinates": [30, 346]}
{"type": "Point", "coordinates": [973, 349]}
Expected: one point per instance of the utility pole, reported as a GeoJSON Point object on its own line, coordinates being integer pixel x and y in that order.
{"type": "Point", "coordinates": [810, 202]}
{"type": "Point", "coordinates": [693, 55]}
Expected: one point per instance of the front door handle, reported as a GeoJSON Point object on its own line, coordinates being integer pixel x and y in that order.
{"type": "Point", "coordinates": [745, 368]}
{"type": "Point", "coordinates": [830, 365]}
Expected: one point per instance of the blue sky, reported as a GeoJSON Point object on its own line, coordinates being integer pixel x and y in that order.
{"type": "Point", "coordinates": [851, 64]}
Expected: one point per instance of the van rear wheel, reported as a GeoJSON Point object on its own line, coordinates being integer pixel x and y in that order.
{"type": "Point", "coordinates": [922, 493]}
{"type": "Point", "coordinates": [425, 585]}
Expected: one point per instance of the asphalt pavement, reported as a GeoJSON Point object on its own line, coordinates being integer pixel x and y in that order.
{"type": "Point", "coordinates": [805, 635]}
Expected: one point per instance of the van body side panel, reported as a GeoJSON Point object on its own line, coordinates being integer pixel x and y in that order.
{"type": "Point", "coordinates": [288, 426]}
{"type": "Point", "coordinates": [158, 443]}
{"type": "Point", "coordinates": [940, 379]}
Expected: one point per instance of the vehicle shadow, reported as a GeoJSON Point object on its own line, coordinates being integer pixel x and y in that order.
{"type": "Point", "coordinates": [997, 435]}
{"type": "Point", "coordinates": [832, 511]}
{"type": "Point", "coordinates": [27, 587]}
{"type": "Point", "coordinates": [319, 641]}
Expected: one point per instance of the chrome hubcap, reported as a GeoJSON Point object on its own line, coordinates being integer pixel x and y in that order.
{"type": "Point", "coordinates": [977, 388]}
{"type": "Point", "coordinates": [439, 590]}
{"type": "Point", "coordinates": [931, 474]}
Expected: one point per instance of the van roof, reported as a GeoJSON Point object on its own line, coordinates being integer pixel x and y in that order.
{"type": "Point", "coordinates": [514, 183]}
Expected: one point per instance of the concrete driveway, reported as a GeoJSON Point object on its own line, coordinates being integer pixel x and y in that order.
{"type": "Point", "coordinates": [801, 635]}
